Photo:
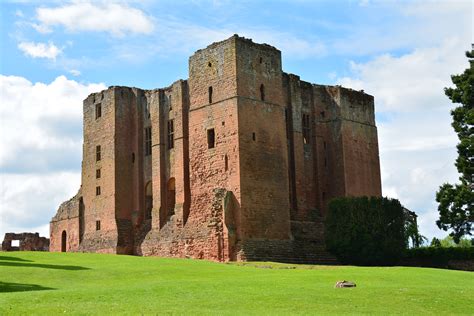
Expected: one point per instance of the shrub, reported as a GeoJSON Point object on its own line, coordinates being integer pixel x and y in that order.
{"type": "Point", "coordinates": [366, 231]}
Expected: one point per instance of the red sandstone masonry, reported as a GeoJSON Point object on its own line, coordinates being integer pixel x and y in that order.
{"type": "Point", "coordinates": [260, 192]}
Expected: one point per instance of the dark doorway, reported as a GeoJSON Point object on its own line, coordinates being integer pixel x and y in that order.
{"type": "Point", "coordinates": [63, 241]}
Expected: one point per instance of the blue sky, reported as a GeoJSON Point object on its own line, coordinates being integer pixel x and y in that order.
{"type": "Point", "coordinates": [54, 53]}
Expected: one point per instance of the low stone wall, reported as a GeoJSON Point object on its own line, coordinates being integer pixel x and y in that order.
{"type": "Point", "coordinates": [28, 242]}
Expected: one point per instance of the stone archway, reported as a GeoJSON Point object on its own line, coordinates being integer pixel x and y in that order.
{"type": "Point", "coordinates": [63, 241]}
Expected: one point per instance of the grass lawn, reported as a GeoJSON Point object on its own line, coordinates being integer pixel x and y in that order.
{"type": "Point", "coordinates": [58, 283]}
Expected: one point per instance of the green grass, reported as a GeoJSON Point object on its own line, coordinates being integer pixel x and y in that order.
{"type": "Point", "coordinates": [75, 283]}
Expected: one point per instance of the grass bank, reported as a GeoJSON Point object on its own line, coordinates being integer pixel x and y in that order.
{"type": "Point", "coordinates": [76, 283]}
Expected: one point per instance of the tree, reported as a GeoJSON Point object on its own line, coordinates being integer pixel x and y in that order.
{"type": "Point", "coordinates": [456, 202]}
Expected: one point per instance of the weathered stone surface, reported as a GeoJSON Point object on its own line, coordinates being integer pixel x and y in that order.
{"type": "Point", "coordinates": [27, 242]}
{"type": "Point", "coordinates": [240, 162]}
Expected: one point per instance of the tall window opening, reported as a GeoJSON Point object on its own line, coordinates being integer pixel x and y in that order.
{"type": "Point", "coordinates": [171, 196]}
{"type": "Point", "coordinates": [211, 138]}
{"type": "Point", "coordinates": [63, 241]}
{"type": "Point", "coordinates": [170, 106]}
{"type": "Point", "coordinates": [170, 134]}
{"type": "Point", "coordinates": [97, 153]}
{"type": "Point", "coordinates": [262, 92]}
{"type": "Point", "coordinates": [97, 190]}
{"type": "Point", "coordinates": [148, 141]}
{"type": "Point", "coordinates": [210, 95]}
{"type": "Point", "coordinates": [98, 110]}
{"type": "Point", "coordinates": [306, 128]}
{"type": "Point", "coordinates": [226, 163]}
{"type": "Point", "coordinates": [97, 225]}
{"type": "Point", "coordinates": [97, 174]}
{"type": "Point", "coordinates": [148, 200]}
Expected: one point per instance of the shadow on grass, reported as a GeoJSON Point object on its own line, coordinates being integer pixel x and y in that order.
{"type": "Point", "coordinates": [6, 287]}
{"type": "Point", "coordinates": [8, 258]}
{"type": "Point", "coordinates": [39, 265]}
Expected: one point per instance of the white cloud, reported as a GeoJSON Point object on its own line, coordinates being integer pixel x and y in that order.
{"type": "Point", "coordinates": [40, 50]}
{"type": "Point", "coordinates": [114, 18]}
{"type": "Point", "coordinates": [40, 148]}
{"type": "Point", "coordinates": [75, 72]}
{"type": "Point", "coordinates": [417, 142]}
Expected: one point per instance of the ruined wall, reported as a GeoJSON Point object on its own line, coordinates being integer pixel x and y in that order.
{"type": "Point", "coordinates": [66, 223]}
{"type": "Point", "coordinates": [27, 242]}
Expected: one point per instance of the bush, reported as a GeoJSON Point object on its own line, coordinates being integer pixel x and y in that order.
{"type": "Point", "coordinates": [366, 231]}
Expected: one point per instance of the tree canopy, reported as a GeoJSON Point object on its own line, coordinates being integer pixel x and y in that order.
{"type": "Point", "coordinates": [456, 202]}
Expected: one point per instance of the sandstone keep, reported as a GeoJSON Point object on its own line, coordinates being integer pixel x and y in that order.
{"type": "Point", "coordinates": [236, 163]}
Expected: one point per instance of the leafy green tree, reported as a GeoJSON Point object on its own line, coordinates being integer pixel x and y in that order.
{"type": "Point", "coordinates": [456, 202]}
{"type": "Point", "coordinates": [435, 242]}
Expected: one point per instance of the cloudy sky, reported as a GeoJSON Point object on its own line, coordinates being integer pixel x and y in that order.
{"type": "Point", "coordinates": [53, 54]}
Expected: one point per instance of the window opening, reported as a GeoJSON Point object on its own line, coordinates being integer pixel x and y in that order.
{"type": "Point", "coordinates": [133, 157]}
{"type": "Point", "coordinates": [147, 143]}
{"type": "Point", "coordinates": [226, 163]}
{"type": "Point", "coordinates": [211, 138]}
{"type": "Point", "coordinates": [254, 137]}
{"type": "Point", "coordinates": [97, 174]}
{"type": "Point", "coordinates": [262, 92]}
{"type": "Point", "coordinates": [97, 153]}
{"type": "Point", "coordinates": [170, 134]}
{"type": "Point", "coordinates": [323, 114]}
{"type": "Point", "coordinates": [97, 190]}
{"type": "Point", "coordinates": [171, 196]}
{"type": "Point", "coordinates": [98, 110]}
{"type": "Point", "coordinates": [209, 64]}
{"type": "Point", "coordinates": [171, 107]}
{"type": "Point", "coordinates": [306, 129]}
{"type": "Point", "coordinates": [148, 199]}
{"type": "Point", "coordinates": [15, 243]}
{"type": "Point", "coordinates": [210, 95]}
{"type": "Point", "coordinates": [261, 59]}
{"type": "Point", "coordinates": [97, 225]}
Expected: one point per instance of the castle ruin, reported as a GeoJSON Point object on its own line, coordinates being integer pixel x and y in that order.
{"type": "Point", "coordinates": [236, 163]}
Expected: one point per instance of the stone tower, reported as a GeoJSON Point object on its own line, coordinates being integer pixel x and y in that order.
{"type": "Point", "coordinates": [236, 163]}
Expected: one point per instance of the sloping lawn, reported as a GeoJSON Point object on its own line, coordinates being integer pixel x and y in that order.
{"type": "Point", "coordinates": [75, 283]}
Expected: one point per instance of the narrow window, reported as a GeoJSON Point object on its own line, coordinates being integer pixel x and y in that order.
{"type": "Point", "coordinates": [97, 190]}
{"type": "Point", "coordinates": [254, 137]}
{"type": "Point", "coordinates": [324, 145]}
{"type": "Point", "coordinates": [147, 142]}
{"type": "Point", "coordinates": [97, 225]}
{"type": "Point", "coordinates": [226, 163]}
{"type": "Point", "coordinates": [97, 153]}
{"type": "Point", "coordinates": [323, 114]}
{"type": "Point", "coordinates": [209, 64]}
{"type": "Point", "coordinates": [171, 107]}
{"type": "Point", "coordinates": [210, 95]}
{"type": "Point", "coordinates": [261, 59]}
{"type": "Point", "coordinates": [325, 162]}
{"type": "Point", "coordinates": [97, 174]}
{"type": "Point", "coordinates": [170, 134]}
{"type": "Point", "coordinates": [98, 110]}
{"type": "Point", "coordinates": [262, 92]}
{"type": "Point", "coordinates": [133, 157]}
{"type": "Point", "coordinates": [211, 138]}
{"type": "Point", "coordinates": [306, 129]}
{"type": "Point", "coordinates": [324, 196]}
